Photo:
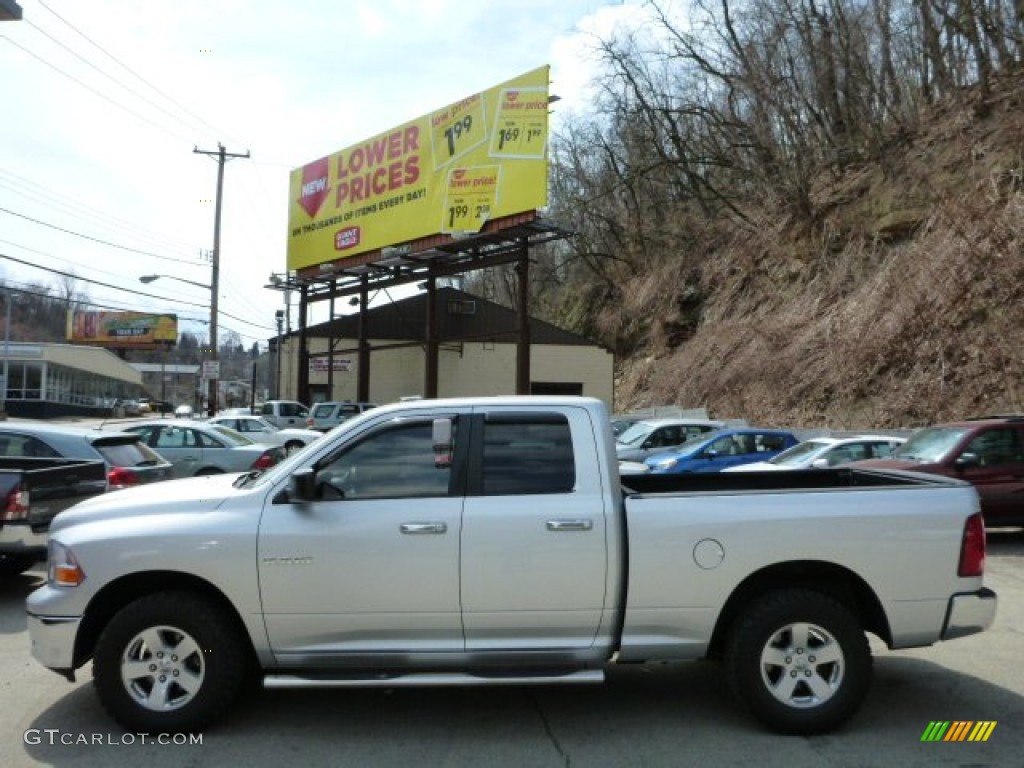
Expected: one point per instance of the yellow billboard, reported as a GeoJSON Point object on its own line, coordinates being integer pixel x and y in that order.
{"type": "Point", "coordinates": [447, 172]}
{"type": "Point", "coordinates": [130, 330]}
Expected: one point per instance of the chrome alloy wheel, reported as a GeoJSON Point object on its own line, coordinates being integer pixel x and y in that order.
{"type": "Point", "coordinates": [802, 665]}
{"type": "Point", "coordinates": [162, 668]}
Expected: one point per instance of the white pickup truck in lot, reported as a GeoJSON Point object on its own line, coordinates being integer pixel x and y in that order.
{"type": "Point", "coordinates": [489, 541]}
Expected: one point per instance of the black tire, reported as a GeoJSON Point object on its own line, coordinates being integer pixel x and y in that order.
{"type": "Point", "coordinates": [140, 679]}
{"type": "Point", "coordinates": [12, 565]}
{"type": "Point", "coordinates": [799, 660]}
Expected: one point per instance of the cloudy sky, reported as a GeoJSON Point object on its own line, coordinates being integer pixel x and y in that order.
{"type": "Point", "coordinates": [103, 103]}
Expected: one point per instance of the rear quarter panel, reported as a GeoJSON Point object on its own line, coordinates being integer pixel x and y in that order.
{"type": "Point", "coordinates": [688, 553]}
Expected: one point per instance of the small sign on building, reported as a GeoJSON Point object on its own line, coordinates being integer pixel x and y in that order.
{"type": "Point", "coordinates": [319, 364]}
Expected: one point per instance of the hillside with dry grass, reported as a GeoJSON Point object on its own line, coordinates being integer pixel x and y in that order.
{"type": "Point", "coordinates": [901, 305]}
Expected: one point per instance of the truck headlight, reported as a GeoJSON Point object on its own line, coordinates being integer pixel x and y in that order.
{"type": "Point", "coordinates": [63, 569]}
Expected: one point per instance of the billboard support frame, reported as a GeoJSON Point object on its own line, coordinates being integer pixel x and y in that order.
{"type": "Point", "coordinates": [501, 242]}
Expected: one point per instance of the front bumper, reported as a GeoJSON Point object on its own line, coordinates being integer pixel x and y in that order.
{"type": "Point", "coordinates": [53, 642]}
{"type": "Point", "coordinates": [969, 613]}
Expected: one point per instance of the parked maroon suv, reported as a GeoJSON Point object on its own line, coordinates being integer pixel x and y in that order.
{"type": "Point", "coordinates": [987, 452]}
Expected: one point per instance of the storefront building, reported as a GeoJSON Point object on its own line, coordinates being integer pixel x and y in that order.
{"type": "Point", "coordinates": [55, 380]}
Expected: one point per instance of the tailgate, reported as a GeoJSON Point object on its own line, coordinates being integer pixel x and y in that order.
{"type": "Point", "coordinates": [55, 484]}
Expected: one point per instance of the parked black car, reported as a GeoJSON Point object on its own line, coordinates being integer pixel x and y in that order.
{"type": "Point", "coordinates": [32, 492]}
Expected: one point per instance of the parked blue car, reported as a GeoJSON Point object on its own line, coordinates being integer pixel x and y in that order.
{"type": "Point", "coordinates": [716, 451]}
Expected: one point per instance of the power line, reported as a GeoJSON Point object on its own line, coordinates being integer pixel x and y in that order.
{"type": "Point", "coordinates": [55, 258]}
{"type": "Point", "coordinates": [97, 240]}
{"type": "Point", "coordinates": [74, 263]}
{"type": "Point", "coordinates": [34, 190]}
{"type": "Point", "coordinates": [134, 73]}
{"type": "Point", "coordinates": [129, 290]}
{"type": "Point", "coordinates": [73, 276]}
{"type": "Point", "coordinates": [110, 77]}
{"type": "Point", "coordinates": [88, 87]}
{"type": "Point", "coordinates": [20, 287]}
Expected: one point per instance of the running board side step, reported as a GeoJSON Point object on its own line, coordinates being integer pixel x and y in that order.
{"type": "Point", "coordinates": [428, 679]}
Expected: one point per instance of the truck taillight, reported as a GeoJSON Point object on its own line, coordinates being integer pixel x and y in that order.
{"type": "Point", "coordinates": [121, 477]}
{"type": "Point", "coordinates": [265, 461]}
{"type": "Point", "coordinates": [972, 549]}
{"type": "Point", "coordinates": [16, 505]}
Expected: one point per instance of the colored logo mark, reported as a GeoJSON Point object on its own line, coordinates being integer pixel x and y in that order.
{"type": "Point", "coordinates": [958, 730]}
{"type": "Point", "coordinates": [315, 186]}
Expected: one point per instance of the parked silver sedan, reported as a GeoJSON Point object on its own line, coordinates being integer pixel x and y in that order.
{"type": "Point", "coordinates": [262, 431]}
{"type": "Point", "coordinates": [129, 461]}
{"type": "Point", "coordinates": [198, 448]}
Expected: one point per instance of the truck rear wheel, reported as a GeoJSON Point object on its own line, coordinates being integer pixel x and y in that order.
{"type": "Point", "coordinates": [170, 662]}
{"type": "Point", "coordinates": [800, 661]}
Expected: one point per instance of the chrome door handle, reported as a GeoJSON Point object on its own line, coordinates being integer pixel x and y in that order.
{"type": "Point", "coordinates": [423, 528]}
{"type": "Point", "coordinates": [570, 525]}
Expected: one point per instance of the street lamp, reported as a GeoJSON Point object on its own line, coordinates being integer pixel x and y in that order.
{"type": "Point", "coordinates": [211, 408]}
{"type": "Point", "coordinates": [279, 317]}
{"type": "Point", "coordinates": [7, 352]}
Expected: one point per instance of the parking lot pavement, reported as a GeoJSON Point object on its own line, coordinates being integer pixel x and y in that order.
{"type": "Point", "coordinates": [676, 715]}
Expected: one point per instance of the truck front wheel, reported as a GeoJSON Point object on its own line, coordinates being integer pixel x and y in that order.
{"type": "Point", "coordinates": [169, 662]}
{"type": "Point", "coordinates": [800, 661]}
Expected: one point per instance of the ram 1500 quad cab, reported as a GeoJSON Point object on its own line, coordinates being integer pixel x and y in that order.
{"type": "Point", "coordinates": [490, 540]}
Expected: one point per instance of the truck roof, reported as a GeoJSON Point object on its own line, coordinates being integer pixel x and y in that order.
{"type": "Point", "coordinates": [590, 403]}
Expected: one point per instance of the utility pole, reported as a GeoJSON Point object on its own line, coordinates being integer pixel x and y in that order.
{"type": "Point", "coordinates": [222, 157]}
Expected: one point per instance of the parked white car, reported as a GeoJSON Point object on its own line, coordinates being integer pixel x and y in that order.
{"type": "Point", "coordinates": [649, 436]}
{"type": "Point", "coordinates": [262, 431]}
{"type": "Point", "coordinates": [822, 452]}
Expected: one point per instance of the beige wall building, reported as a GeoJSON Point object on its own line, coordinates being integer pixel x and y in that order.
{"type": "Point", "coordinates": [477, 354]}
{"type": "Point", "coordinates": [47, 380]}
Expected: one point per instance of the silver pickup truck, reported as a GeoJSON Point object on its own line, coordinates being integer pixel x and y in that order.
{"type": "Point", "coordinates": [461, 542]}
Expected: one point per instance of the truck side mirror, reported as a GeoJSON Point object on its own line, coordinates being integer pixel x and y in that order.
{"type": "Point", "coordinates": [442, 441]}
{"type": "Point", "coordinates": [302, 485]}
{"type": "Point", "coordinates": [966, 461]}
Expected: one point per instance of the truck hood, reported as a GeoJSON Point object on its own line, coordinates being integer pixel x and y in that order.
{"type": "Point", "coordinates": [187, 495]}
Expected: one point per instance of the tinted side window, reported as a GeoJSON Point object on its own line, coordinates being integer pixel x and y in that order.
{"type": "Point", "coordinates": [397, 462]}
{"type": "Point", "coordinates": [846, 453]}
{"type": "Point", "coordinates": [996, 446]}
{"type": "Point", "coordinates": [25, 445]}
{"type": "Point", "coordinates": [525, 458]}
{"type": "Point", "coordinates": [173, 437]}
{"type": "Point", "coordinates": [883, 450]}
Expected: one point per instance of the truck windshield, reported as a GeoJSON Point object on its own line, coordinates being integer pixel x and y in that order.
{"type": "Point", "coordinates": [930, 444]}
